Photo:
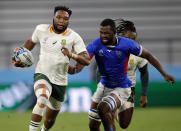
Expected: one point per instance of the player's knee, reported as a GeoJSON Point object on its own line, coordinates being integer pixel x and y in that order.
{"type": "Point", "coordinates": [42, 101]}
{"type": "Point", "coordinates": [103, 108]}
{"type": "Point", "coordinates": [42, 90]}
{"type": "Point", "coordinates": [93, 115]}
{"type": "Point", "coordinates": [108, 103]}
{"type": "Point", "coordinates": [40, 105]}
{"type": "Point", "coordinates": [42, 98]}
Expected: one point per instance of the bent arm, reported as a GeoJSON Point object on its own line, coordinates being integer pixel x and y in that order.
{"type": "Point", "coordinates": [29, 44]}
{"type": "Point", "coordinates": [82, 58]}
{"type": "Point", "coordinates": [75, 69]}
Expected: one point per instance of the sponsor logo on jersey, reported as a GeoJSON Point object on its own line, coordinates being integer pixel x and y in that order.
{"type": "Point", "coordinates": [109, 50]}
{"type": "Point", "coordinates": [54, 42]}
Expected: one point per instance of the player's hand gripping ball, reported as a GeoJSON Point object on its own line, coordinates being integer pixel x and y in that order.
{"type": "Point", "coordinates": [23, 55]}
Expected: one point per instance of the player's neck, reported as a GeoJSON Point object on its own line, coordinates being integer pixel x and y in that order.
{"type": "Point", "coordinates": [58, 32]}
{"type": "Point", "coordinates": [115, 41]}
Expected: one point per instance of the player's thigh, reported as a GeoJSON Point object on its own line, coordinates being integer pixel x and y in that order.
{"type": "Point", "coordinates": [54, 104]}
{"type": "Point", "coordinates": [57, 97]}
{"type": "Point", "coordinates": [120, 95]}
{"type": "Point", "coordinates": [99, 93]}
{"type": "Point", "coordinates": [42, 85]}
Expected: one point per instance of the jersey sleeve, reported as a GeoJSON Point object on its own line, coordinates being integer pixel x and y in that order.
{"type": "Point", "coordinates": [79, 45]}
{"type": "Point", "coordinates": [34, 37]}
{"type": "Point", "coordinates": [90, 49]}
{"type": "Point", "coordinates": [141, 62]}
{"type": "Point", "coordinates": [135, 48]}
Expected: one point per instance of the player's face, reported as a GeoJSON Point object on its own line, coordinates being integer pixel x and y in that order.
{"type": "Point", "coordinates": [107, 35]}
{"type": "Point", "coordinates": [60, 21]}
{"type": "Point", "coordinates": [129, 34]}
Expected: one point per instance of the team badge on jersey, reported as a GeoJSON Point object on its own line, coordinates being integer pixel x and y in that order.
{"type": "Point", "coordinates": [131, 61]}
{"type": "Point", "coordinates": [63, 42]}
{"type": "Point", "coordinates": [118, 53]}
{"type": "Point", "coordinates": [101, 52]}
{"type": "Point", "coordinates": [45, 40]}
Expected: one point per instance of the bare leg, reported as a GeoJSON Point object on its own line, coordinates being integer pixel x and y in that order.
{"type": "Point", "coordinates": [106, 113]}
{"type": "Point", "coordinates": [94, 125]}
{"type": "Point", "coordinates": [42, 93]}
{"type": "Point", "coordinates": [125, 117]}
{"type": "Point", "coordinates": [36, 117]}
{"type": "Point", "coordinates": [50, 117]}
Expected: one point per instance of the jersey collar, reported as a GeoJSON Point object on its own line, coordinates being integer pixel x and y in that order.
{"type": "Point", "coordinates": [51, 31]}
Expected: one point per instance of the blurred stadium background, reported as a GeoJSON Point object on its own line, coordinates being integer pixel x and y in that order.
{"type": "Point", "coordinates": [158, 24]}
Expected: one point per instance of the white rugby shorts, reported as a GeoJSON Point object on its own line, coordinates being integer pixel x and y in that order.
{"type": "Point", "coordinates": [122, 93]}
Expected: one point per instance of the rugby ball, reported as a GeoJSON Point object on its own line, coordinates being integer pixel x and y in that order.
{"type": "Point", "coordinates": [24, 55]}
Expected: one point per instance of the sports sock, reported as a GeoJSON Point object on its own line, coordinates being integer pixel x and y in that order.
{"type": "Point", "coordinates": [34, 126]}
{"type": "Point", "coordinates": [43, 128]}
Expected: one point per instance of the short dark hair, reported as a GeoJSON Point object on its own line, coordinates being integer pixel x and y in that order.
{"type": "Point", "coordinates": [63, 8]}
{"type": "Point", "coordinates": [109, 22]}
{"type": "Point", "coordinates": [124, 25]}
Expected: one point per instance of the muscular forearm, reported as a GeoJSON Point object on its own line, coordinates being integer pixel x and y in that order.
{"type": "Point", "coordinates": [75, 69]}
{"type": "Point", "coordinates": [144, 79]}
{"type": "Point", "coordinates": [29, 44]}
{"type": "Point", "coordinates": [82, 58]}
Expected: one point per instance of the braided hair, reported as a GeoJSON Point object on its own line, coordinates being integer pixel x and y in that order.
{"type": "Point", "coordinates": [124, 25]}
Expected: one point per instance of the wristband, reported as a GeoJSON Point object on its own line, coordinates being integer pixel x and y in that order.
{"type": "Point", "coordinates": [74, 56]}
{"type": "Point", "coordinates": [74, 70]}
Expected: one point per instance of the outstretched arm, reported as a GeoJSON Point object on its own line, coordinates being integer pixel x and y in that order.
{"type": "Point", "coordinates": [144, 84]}
{"type": "Point", "coordinates": [82, 58]}
{"type": "Point", "coordinates": [153, 60]}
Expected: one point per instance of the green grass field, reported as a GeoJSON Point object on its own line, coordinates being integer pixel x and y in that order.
{"type": "Point", "coordinates": [147, 119]}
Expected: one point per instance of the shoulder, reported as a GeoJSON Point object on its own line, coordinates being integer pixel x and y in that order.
{"type": "Point", "coordinates": [72, 32]}
{"type": "Point", "coordinates": [43, 27]}
{"type": "Point", "coordinates": [95, 43]}
{"type": "Point", "coordinates": [139, 59]}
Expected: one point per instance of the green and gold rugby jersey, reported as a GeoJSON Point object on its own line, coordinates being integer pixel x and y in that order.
{"type": "Point", "coordinates": [134, 63]}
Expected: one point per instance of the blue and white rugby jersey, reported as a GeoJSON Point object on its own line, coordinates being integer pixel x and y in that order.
{"type": "Point", "coordinates": [113, 61]}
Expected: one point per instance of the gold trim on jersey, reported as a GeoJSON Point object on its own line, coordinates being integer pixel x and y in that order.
{"type": "Point", "coordinates": [51, 30]}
